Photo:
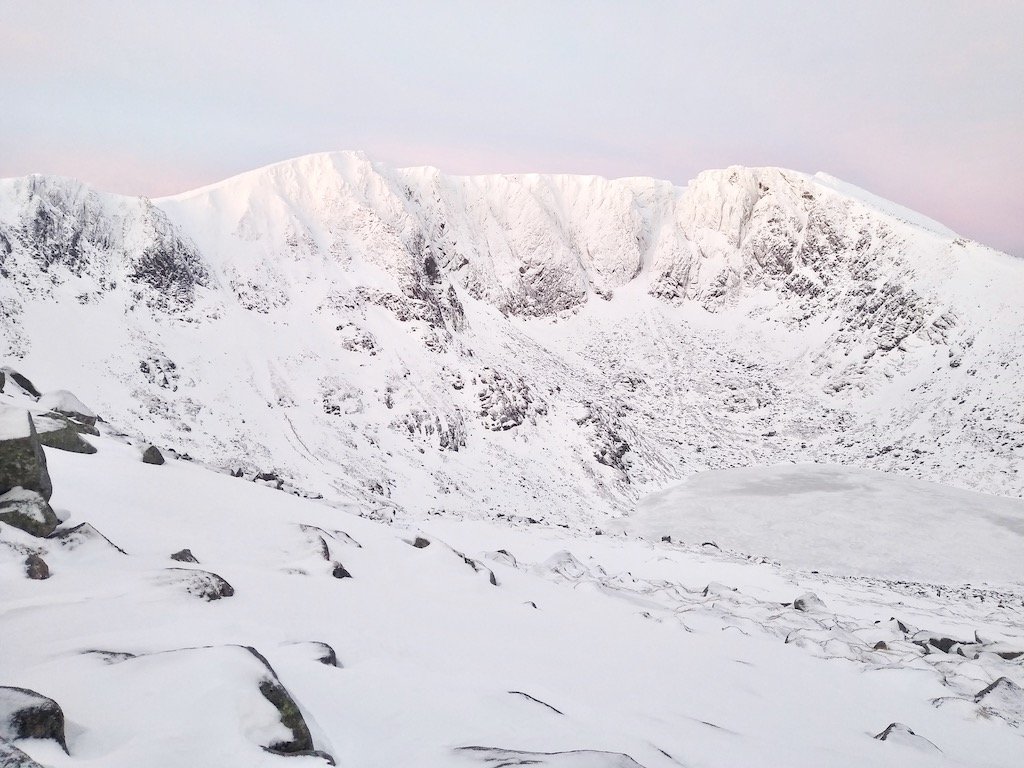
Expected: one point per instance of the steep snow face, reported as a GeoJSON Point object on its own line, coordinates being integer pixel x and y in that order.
{"type": "Point", "coordinates": [535, 346]}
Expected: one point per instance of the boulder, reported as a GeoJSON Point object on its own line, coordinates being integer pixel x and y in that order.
{"type": "Point", "coordinates": [57, 431]}
{"type": "Point", "coordinates": [809, 602]}
{"type": "Point", "coordinates": [25, 714]}
{"type": "Point", "coordinates": [22, 461]}
{"type": "Point", "coordinates": [36, 568]}
{"type": "Point", "coordinates": [202, 584]}
{"type": "Point", "coordinates": [184, 556]}
{"type": "Point", "coordinates": [22, 382]}
{"type": "Point", "coordinates": [152, 455]}
{"type": "Point", "coordinates": [66, 404]}
{"type": "Point", "coordinates": [28, 511]}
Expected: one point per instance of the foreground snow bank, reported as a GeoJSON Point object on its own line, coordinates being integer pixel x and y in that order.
{"type": "Point", "coordinates": [469, 643]}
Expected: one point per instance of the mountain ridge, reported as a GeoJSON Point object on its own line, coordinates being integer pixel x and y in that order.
{"type": "Point", "coordinates": [530, 345]}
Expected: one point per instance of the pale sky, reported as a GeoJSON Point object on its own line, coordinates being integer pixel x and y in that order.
{"type": "Point", "coordinates": [920, 102]}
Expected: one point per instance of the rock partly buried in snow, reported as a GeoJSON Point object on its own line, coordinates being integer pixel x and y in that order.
{"type": "Point", "coordinates": [85, 535]}
{"type": "Point", "coordinates": [10, 755]}
{"type": "Point", "coordinates": [184, 556]}
{"type": "Point", "coordinates": [22, 382]}
{"type": "Point", "coordinates": [28, 511]}
{"type": "Point", "coordinates": [152, 455]}
{"type": "Point", "coordinates": [272, 690]}
{"type": "Point", "coordinates": [897, 733]}
{"type": "Point", "coordinates": [57, 431]}
{"type": "Point", "coordinates": [717, 589]}
{"type": "Point", "coordinates": [319, 651]}
{"type": "Point", "coordinates": [22, 461]}
{"type": "Point", "coordinates": [66, 404]}
{"type": "Point", "coordinates": [339, 571]}
{"type": "Point", "coordinates": [809, 602]}
{"type": "Point", "coordinates": [202, 584]}
{"type": "Point", "coordinates": [478, 567]}
{"type": "Point", "coordinates": [25, 714]}
{"type": "Point", "coordinates": [929, 641]}
{"type": "Point", "coordinates": [1003, 698]}
{"type": "Point", "coordinates": [326, 654]}
{"type": "Point", "coordinates": [36, 568]}
{"type": "Point", "coordinates": [577, 758]}
{"type": "Point", "coordinates": [216, 705]}
{"type": "Point", "coordinates": [502, 556]}
{"type": "Point", "coordinates": [563, 564]}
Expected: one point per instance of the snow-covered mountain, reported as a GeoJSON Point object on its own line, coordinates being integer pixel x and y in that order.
{"type": "Point", "coordinates": [537, 346]}
{"type": "Point", "coordinates": [512, 374]}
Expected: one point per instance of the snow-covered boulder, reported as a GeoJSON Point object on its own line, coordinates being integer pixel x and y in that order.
{"type": "Point", "coordinates": [27, 510]}
{"type": "Point", "coordinates": [85, 535]}
{"type": "Point", "coordinates": [58, 431]}
{"type": "Point", "coordinates": [202, 584]}
{"type": "Point", "coordinates": [1005, 698]}
{"type": "Point", "coordinates": [898, 733]}
{"type": "Point", "coordinates": [25, 714]}
{"type": "Point", "coordinates": [22, 461]}
{"type": "Point", "coordinates": [22, 383]}
{"type": "Point", "coordinates": [66, 404]}
{"type": "Point", "coordinates": [809, 602]}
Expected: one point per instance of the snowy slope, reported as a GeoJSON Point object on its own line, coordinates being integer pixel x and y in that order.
{"type": "Point", "coordinates": [459, 643]}
{"type": "Point", "coordinates": [501, 368]}
{"type": "Point", "coordinates": [538, 346]}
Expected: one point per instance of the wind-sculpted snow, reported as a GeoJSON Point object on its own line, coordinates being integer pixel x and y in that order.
{"type": "Point", "coordinates": [457, 642]}
{"type": "Point", "coordinates": [535, 346]}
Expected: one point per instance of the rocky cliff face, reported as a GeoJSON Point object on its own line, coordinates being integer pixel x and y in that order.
{"type": "Point", "coordinates": [543, 346]}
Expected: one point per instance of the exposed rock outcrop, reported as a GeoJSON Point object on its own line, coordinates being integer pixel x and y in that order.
{"type": "Point", "coordinates": [22, 461]}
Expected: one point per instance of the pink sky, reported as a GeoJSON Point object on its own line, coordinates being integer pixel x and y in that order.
{"type": "Point", "coordinates": [920, 102]}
